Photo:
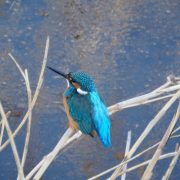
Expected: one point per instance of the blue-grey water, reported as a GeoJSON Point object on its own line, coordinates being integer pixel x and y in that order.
{"type": "Point", "coordinates": [128, 46]}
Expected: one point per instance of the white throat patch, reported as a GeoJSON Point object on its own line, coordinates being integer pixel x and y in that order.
{"type": "Point", "coordinates": [67, 83]}
{"type": "Point", "coordinates": [80, 91]}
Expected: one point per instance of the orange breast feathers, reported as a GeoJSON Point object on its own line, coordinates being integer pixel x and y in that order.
{"type": "Point", "coordinates": [72, 123]}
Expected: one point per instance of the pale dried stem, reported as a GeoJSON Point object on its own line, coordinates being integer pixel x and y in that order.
{"type": "Point", "coordinates": [13, 145]}
{"type": "Point", "coordinates": [147, 130]}
{"type": "Point", "coordinates": [176, 130]}
{"type": "Point", "coordinates": [2, 132]}
{"type": "Point", "coordinates": [28, 132]}
{"type": "Point", "coordinates": [176, 136]}
{"type": "Point", "coordinates": [149, 101]}
{"type": "Point", "coordinates": [172, 164]}
{"type": "Point", "coordinates": [123, 177]}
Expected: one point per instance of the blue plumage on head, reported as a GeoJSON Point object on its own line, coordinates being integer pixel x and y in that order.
{"type": "Point", "coordinates": [84, 80]}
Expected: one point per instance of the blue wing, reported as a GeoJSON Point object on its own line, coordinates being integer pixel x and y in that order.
{"type": "Point", "coordinates": [101, 119]}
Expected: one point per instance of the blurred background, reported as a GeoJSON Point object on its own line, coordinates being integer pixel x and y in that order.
{"type": "Point", "coordinates": [129, 47]}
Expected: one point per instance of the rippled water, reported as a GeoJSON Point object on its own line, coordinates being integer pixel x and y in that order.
{"type": "Point", "coordinates": [129, 47]}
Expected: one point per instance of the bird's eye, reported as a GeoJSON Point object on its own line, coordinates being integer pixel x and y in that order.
{"type": "Point", "coordinates": [71, 79]}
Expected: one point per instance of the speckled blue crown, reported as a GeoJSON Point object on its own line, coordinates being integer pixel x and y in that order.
{"type": "Point", "coordinates": [84, 80]}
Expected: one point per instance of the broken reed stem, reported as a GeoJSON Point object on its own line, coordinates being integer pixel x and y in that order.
{"type": "Point", "coordinates": [172, 164]}
{"type": "Point", "coordinates": [148, 172]}
{"type": "Point", "coordinates": [13, 145]}
{"type": "Point", "coordinates": [40, 81]}
{"type": "Point", "coordinates": [123, 177]}
{"type": "Point", "coordinates": [148, 128]}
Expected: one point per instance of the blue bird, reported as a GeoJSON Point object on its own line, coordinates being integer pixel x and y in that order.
{"type": "Point", "coordinates": [84, 107]}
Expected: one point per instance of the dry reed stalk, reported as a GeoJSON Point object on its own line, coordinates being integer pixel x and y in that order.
{"type": "Point", "coordinates": [28, 132]}
{"type": "Point", "coordinates": [123, 177]}
{"type": "Point", "coordinates": [13, 145]}
{"type": "Point", "coordinates": [172, 164]}
{"type": "Point", "coordinates": [39, 84]}
{"type": "Point", "coordinates": [148, 128]}
{"type": "Point", "coordinates": [148, 172]}
{"type": "Point", "coordinates": [2, 132]}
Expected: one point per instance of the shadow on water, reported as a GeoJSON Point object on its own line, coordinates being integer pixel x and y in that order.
{"type": "Point", "coordinates": [129, 47]}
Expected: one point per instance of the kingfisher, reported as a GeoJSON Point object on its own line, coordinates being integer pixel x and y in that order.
{"type": "Point", "coordinates": [84, 107]}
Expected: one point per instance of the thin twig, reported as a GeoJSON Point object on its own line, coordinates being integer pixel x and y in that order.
{"type": "Point", "coordinates": [123, 177]}
{"type": "Point", "coordinates": [28, 132]}
{"type": "Point", "coordinates": [2, 132]}
{"type": "Point", "coordinates": [172, 164]}
{"type": "Point", "coordinates": [176, 130]}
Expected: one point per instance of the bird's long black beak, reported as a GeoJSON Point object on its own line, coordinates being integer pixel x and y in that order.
{"type": "Point", "coordinates": [58, 72]}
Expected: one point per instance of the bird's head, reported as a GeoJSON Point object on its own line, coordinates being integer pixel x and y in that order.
{"type": "Point", "coordinates": [81, 81]}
